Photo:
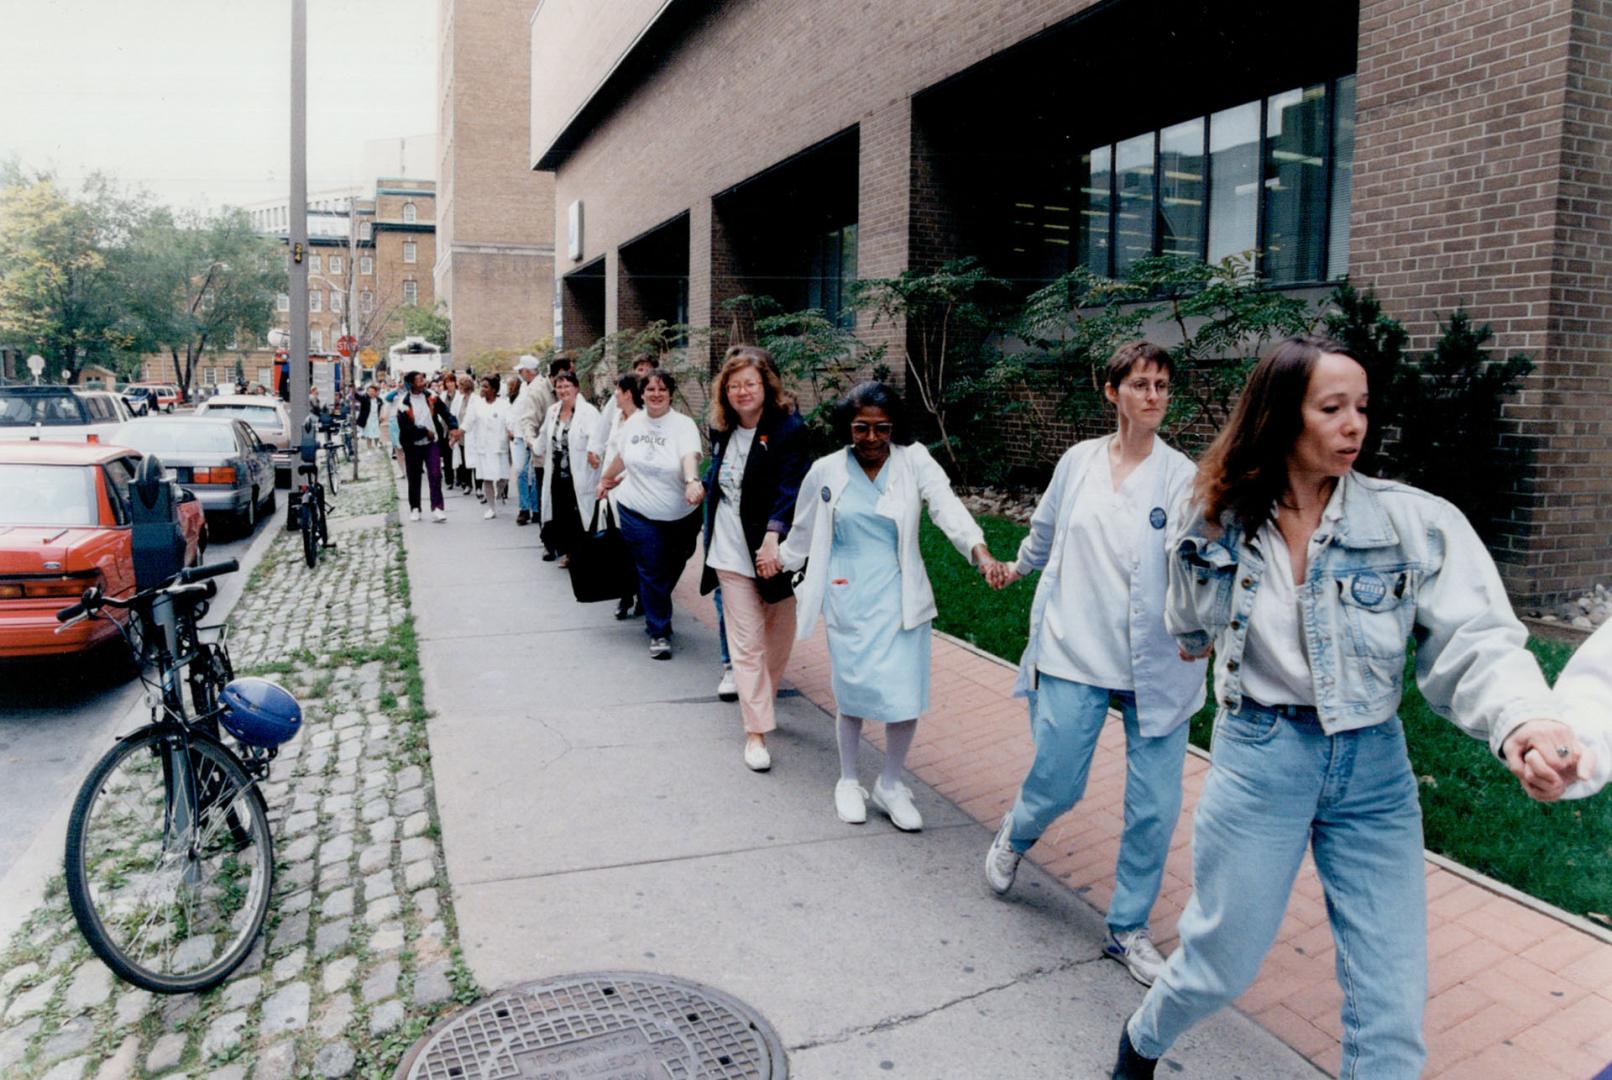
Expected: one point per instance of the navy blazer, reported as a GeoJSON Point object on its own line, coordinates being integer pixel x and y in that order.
{"type": "Point", "coordinates": [777, 464]}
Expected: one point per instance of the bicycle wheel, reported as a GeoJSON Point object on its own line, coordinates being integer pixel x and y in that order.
{"type": "Point", "coordinates": [310, 543]}
{"type": "Point", "coordinates": [322, 521]}
{"type": "Point", "coordinates": [330, 472]}
{"type": "Point", "coordinates": [171, 900]}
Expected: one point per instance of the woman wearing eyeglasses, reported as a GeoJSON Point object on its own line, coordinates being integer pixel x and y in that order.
{"type": "Point", "coordinates": [856, 533]}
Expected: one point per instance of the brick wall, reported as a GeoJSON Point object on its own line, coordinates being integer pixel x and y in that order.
{"type": "Point", "coordinates": [1481, 180]}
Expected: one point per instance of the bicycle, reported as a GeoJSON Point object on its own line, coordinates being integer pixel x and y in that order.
{"type": "Point", "coordinates": [170, 858]}
{"type": "Point", "coordinates": [312, 509]}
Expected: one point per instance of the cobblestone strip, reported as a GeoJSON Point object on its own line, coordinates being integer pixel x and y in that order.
{"type": "Point", "coordinates": [359, 954]}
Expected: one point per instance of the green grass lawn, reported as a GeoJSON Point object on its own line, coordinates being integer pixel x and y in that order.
{"type": "Point", "coordinates": [1473, 810]}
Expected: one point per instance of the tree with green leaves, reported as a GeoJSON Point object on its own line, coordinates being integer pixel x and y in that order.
{"type": "Point", "coordinates": [433, 324]}
{"type": "Point", "coordinates": [1378, 341]}
{"type": "Point", "coordinates": [952, 319]}
{"type": "Point", "coordinates": [61, 286]}
{"type": "Point", "coordinates": [197, 285]}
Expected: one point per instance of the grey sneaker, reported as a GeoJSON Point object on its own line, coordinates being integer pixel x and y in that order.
{"type": "Point", "coordinates": [1136, 951]}
{"type": "Point", "coordinates": [1002, 862]}
{"type": "Point", "coordinates": [660, 649]}
{"type": "Point", "coordinates": [727, 689]}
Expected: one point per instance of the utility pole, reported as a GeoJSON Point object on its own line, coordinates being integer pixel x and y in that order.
{"type": "Point", "coordinates": [297, 351]}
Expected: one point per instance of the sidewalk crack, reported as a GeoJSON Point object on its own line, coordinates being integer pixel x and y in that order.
{"type": "Point", "coordinates": [891, 1023]}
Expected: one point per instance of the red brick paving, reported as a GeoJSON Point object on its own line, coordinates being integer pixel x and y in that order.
{"type": "Point", "coordinates": [1513, 992]}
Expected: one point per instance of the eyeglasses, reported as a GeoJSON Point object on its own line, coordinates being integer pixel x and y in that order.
{"type": "Point", "coordinates": [862, 427]}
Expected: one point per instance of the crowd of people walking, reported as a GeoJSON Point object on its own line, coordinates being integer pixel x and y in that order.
{"type": "Point", "coordinates": [1302, 577]}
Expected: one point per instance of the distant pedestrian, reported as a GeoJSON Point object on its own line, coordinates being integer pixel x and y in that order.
{"type": "Point", "coordinates": [426, 427]}
{"type": "Point", "coordinates": [463, 477]}
{"type": "Point", "coordinates": [629, 607]}
{"type": "Point", "coordinates": [1309, 580]}
{"type": "Point", "coordinates": [531, 407]}
{"type": "Point", "coordinates": [486, 440]}
{"type": "Point", "coordinates": [369, 416]}
{"type": "Point", "coordinates": [758, 459]}
{"type": "Point", "coordinates": [856, 533]}
{"type": "Point", "coordinates": [571, 484]}
{"type": "Point", "coordinates": [657, 469]}
{"type": "Point", "coordinates": [1097, 635]}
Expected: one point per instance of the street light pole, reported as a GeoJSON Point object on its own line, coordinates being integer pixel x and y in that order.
{"type": "Point", "coordinates": [297, 353]}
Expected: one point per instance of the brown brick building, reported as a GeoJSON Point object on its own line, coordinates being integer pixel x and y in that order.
{"type": "Point", "coordinates": [1439, 152]}
{"type": "Point", "coordinates": [495, 261]}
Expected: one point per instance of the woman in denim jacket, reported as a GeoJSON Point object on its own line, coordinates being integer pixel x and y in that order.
{"type": "Point", "coordinates": [1308, 578]}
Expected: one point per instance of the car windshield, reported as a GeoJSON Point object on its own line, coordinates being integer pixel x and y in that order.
{"type": "Point", "coordinates": [49, 409]}
{"type": "Point", "coordinates": [169, 437]}
{"type": "Point", "coordinates": [48, 495]}
{"type": "Point", "coordinates": [262, 415]}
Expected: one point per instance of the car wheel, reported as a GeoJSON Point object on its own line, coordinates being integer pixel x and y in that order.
{"type": "Point", "coordinates": [273, 503]}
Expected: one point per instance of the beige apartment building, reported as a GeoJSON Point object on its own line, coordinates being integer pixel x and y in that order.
{"type": "Point", "coordinates": [494, 268]}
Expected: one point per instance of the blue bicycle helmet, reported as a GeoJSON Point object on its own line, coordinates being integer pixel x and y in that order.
{"type": "Point", "coordinates": [259, 713]}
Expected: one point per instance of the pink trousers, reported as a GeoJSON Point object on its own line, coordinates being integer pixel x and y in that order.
{"type": "Point", "coordinates": [760, 636]}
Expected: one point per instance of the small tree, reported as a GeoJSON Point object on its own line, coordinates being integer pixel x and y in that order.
{"type": "Point", "coordinates": [953, 319]}
{"type": "Point", "coordinates": [431, 324]}
{"type": "Point", "coordinates": [1452, 438]}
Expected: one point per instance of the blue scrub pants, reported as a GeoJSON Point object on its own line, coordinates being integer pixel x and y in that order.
{"type": "Point", "coordinates": [525, 477]}
{"type": "Point", "coordinates": [660, 550]}
{"type": "Point", "coordinates": [721, 627]}
{"type": "Point", "coordinates": [1065, 719]}
{"type": "Point", "coordinates": [1280, 784]}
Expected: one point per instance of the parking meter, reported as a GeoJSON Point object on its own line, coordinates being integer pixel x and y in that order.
{"type": "Point", "coordinates": [158, 540]}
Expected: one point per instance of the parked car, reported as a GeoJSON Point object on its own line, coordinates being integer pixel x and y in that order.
{"type": "Point", "coordinates": [219, 458]}
{"type": "Point", "coordinates": [59, 413]}
{"type": "Point", "coordinates": [265, 415]}
{"type": "Point", "coordinates": [165, 395]}
{"type": "Point", "coordinates": [141, 400]}
{"type": "Point", "coordinates": [65, 524]}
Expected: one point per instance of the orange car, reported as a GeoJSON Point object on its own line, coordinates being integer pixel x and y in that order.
{"type": "Point", "coordinates": [64, 526]}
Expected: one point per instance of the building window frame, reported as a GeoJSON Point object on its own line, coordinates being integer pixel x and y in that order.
{"type": "Point", "coordinates": [410, 213]}
{"type": "Point", "coordinates": [334, 263]}
{"type": "Point", "coordinates": [1330, 270]}
{"type": "Point", "coordinates": [411, 252]}
{"type": "Point", "coordinates": [282, 302]}
{"type": "Point", "coordinates": [316, 300]}
{"type": "Point", "coordinates": [366, 265]}
{"type": "Point", "coordinates": [411, 292]}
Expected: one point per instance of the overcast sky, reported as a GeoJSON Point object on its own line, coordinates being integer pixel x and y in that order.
{"type": "Point", "coordinates": [191, 98]}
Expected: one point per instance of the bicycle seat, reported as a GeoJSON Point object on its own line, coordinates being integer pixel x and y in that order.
{"type": "Point", "coordinates": [307, 469]}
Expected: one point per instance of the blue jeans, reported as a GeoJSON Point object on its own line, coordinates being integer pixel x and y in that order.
{"type": "Point", "coordinates": [525, 477]}
{"type": "Point", "coordinates": [660, 550]}
{"type": "Point", "coordinates": [1065, 720]}
{"type": "Point", "coordinates": [721, 627]}
{"type": "Point", "coordinates": [1279, 784]}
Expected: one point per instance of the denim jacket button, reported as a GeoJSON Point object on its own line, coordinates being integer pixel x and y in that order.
{"type": "Point", "coordinates": [1248, 583]}
{"type": "Point", "coordinates": [1231, 665]}
{"type": "Point", "coordinates": [1236, 624]}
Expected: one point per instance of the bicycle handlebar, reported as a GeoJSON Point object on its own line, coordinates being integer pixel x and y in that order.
{"type": "Point", "coordinates": [91, 598]}
{"type": "Point", "coordinates": [211, 570]}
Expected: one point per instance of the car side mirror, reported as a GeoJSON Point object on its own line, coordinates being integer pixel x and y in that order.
{"type": "Point", "coordinates": [186, 495]}
{"type": "Point", "coordinates": [148, 480]}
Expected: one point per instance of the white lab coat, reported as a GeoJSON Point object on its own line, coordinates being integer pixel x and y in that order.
{"type": "Point", "coordinates": [916, 481]}
{"type": "Point", "coordinates": [584, 477]}
{"type": "Point", "coordinates": [486, 437]}
{"type": "Point", "coordinates": [1584, 692]}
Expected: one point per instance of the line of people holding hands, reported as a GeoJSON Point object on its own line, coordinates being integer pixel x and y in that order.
{"type": "Point", "coordinates": [1304, 579]}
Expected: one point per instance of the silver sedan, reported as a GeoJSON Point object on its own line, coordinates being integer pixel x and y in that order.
{"type": "Point", "coordinates": [219, 458]}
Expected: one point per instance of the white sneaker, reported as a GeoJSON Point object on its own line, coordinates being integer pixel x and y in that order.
{"type": "Point", "coordinates": [1002, 862]}
{"type": "Point", "coordinates": [850, 802]}
{"type": "Point", "coordinates": [660, 649]}
{"type": "Point", "coordinates": [756, 756]}
{"type": "Point", "coordinates": [488, 515]}
{"type": "Point", "coordinates": [1136, 951]}
{"type": "Point", "coordinates": [439, 516]}
{"type": "Point", "coordinates": [727, 689]}
{"type": "Point", "coordinates": [896, 802]}
{"type": "Point", "coordinates": [414, 515]}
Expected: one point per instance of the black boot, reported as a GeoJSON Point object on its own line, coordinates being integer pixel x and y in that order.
{"type": "Point", "coordinates": [1131, 1065]}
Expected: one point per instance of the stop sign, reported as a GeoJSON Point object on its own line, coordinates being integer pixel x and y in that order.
{"type": "Point", "coordinates": [346, 344]}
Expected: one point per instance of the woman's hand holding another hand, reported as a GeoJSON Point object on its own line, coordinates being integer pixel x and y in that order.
{"type": "Point", "coordinates": [1545, 757]}
{"type": "Point", "coordinates": [767, 564]}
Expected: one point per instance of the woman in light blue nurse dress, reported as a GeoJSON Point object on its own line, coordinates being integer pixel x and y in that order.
{"type": "Point", "coordinates": [856, 533]}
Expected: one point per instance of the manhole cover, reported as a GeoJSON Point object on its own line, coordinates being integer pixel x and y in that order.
{"type": "Point", "coordinates": [610, 1025]}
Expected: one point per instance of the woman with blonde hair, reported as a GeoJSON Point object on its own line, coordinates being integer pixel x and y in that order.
{"type": "Point", "coordinates": [758, 457]}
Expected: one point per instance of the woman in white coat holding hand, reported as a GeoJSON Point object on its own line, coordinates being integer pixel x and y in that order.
{"type": "Point", "coordinates": [486, 429]}
{"type": "Point", "coordinates": [856, 532]}
{"type": "Point", "coordinates": [1097, 635]}
{"type": "Point", "coordinates": [570, 480]}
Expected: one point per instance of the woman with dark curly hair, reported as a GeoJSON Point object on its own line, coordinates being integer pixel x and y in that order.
{"type": "Point", "coordinates": [856, 533]}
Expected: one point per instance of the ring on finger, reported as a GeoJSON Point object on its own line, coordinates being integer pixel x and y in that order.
{"type": "Point", "coordinates": [1562, 751]}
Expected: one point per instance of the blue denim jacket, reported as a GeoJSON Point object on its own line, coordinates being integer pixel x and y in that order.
{"type": "Point", "coordinates": [1399, 563]}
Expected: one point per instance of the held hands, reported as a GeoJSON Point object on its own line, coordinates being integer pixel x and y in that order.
{"type": "Point", "coordinates": [767, 564]}
{"type": "Point", "coordinates": [1545, 757]}
{"type": "Point", "coordinates": [593, 460]}
{"type": "Point", "coordinates": [998, 575]}
{"type": "Point", "coordinates": [693, 492]}
{"type": "Point", "coordinates": [606, 483]}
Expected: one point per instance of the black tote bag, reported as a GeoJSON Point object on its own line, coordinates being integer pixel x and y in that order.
{"type": "Point", "coordinates": [601, 566]}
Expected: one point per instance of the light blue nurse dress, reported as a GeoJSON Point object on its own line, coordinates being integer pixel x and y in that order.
{"type": "Point", "coordinates": [881, 671]}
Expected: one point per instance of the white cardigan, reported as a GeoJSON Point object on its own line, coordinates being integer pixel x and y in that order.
{"type": "Point", "coordinates": [584, 478]}
{"type": "Point", "coordinates": [1584, 693]}
{"type": "Point", "coordinates": [915, 481]}
{"type": "Point", "coordinates": [1168, 689]}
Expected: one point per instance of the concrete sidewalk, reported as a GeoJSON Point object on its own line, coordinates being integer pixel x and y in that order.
{"type": "Point", "coordinates": [596, 815]}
